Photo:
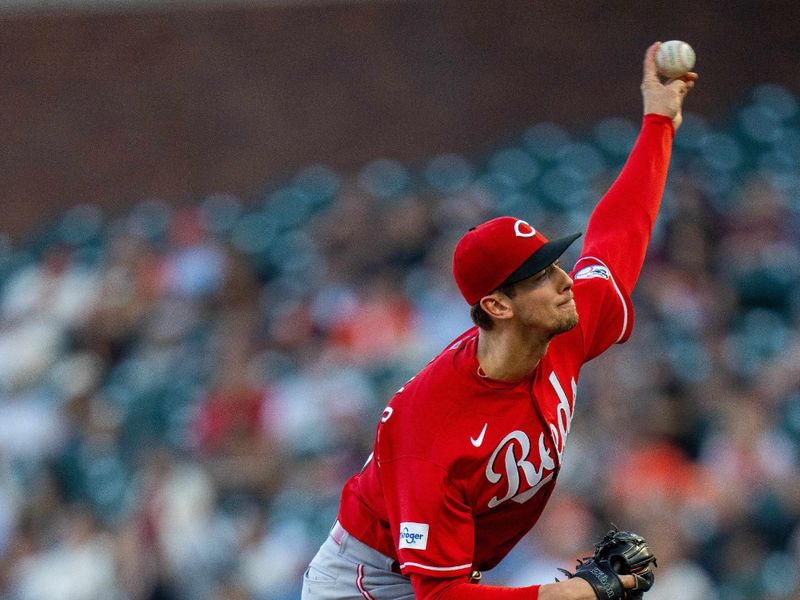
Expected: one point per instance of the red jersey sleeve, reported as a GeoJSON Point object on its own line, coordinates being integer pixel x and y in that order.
{"type": "Point", "coordinates": [619, 228]}
{"type": "Point", "coordinates": [428, 588]}
{"type": "Point", "coordinates": [430, 521]}
{"type": "Point", "coordinates": [605, 311]}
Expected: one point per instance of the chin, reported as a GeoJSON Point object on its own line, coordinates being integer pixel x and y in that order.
{"type": "Point", "coordinates": [569, 322]}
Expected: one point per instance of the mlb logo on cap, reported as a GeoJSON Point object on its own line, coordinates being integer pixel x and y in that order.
{"type": "Point", "coordinates": [502, 251]}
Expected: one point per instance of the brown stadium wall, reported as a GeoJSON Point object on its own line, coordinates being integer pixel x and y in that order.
{"type": "Point", "coordinates": [111, 107]}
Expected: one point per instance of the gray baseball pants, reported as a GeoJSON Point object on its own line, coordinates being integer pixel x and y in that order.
{"type": "Point", "coordinates": [347, 569]}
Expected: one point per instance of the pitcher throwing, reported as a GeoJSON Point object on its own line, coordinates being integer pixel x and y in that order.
{"type": "Point", "coordinates": [468, 452]}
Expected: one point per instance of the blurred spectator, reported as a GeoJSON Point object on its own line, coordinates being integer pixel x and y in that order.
{"type": "Point", "coordinates": [78, 564]}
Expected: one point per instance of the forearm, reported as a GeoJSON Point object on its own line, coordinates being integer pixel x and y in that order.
{"type": "Point", "coordinates": [620, 226]}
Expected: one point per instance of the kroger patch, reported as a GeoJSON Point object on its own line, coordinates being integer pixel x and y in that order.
{"type": "Point", "coordinates": [414, 536]}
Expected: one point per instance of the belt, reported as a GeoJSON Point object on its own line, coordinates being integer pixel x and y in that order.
{"type": "Point", "coordinates": [338, 534]}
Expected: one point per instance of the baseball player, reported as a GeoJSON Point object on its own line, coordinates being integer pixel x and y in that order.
{"type": "Point", "coordinates": [468, 451]}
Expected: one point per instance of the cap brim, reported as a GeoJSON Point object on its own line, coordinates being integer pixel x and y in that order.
{"type": "Point", "coordinates": [543, 257]}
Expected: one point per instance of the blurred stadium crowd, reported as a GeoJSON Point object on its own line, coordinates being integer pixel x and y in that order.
{"type": "Point", "coordinates": [184, 391]}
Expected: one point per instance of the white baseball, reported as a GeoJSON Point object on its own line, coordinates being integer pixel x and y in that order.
{"type": "Point", "coordinates": [674, 59]}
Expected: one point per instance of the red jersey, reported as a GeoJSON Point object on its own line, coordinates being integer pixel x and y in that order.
{"type": "Point", "coordinates": [463, 464]}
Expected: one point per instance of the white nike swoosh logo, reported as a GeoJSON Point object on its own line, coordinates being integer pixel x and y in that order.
{"type": "Point", "coordinates": [477, 442]}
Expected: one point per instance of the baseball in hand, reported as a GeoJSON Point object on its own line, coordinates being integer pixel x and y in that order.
{"type": "Point", "coordinates": [674, 59]}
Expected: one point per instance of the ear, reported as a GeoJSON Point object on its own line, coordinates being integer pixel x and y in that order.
{"type": "Point", "coordinates": [497, 305]}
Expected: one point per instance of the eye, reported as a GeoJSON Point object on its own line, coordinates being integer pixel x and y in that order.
{"type": "Point", "coordinates": [546, 272]}
{"type": "Point", "coordinates": [552, 268]}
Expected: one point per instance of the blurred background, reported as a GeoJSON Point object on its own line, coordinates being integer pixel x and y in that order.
{"type": "Point", "coordinates": [226, 240]}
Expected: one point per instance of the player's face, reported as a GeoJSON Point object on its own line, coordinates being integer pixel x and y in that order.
{"type": "Point", "coordinates": [544, 301]}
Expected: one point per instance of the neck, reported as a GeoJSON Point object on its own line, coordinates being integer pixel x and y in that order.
{"type": "Point", "coordinates": [509, 353]}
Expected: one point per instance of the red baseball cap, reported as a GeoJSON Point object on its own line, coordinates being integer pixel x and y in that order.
{"type": "Point", "coordinates": [501, 251]}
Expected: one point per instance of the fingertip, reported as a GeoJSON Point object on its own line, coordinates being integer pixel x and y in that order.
{"type": "Point", "coordinates": [685, 78]}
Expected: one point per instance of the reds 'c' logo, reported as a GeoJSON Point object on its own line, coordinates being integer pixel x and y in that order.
{"type": "Point", "coordinates": [517, 446]}
{"type": "Point", "coordinates": [523, 229]}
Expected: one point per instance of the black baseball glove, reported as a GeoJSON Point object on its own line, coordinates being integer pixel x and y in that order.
{"type": "Point", "coordinates": [618, 553]}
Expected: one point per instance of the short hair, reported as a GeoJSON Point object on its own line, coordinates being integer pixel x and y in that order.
{"type": "Point", "coordinates": [480, 317]}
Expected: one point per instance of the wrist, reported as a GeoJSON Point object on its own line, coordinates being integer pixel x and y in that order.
{"type": "Point", "coordinates": [571, 589]}
{"type": "Point", "coordinates": [658, 118]}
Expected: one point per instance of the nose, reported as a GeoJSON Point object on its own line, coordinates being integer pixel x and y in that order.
{"type": "Point", "coordinates": [567, 281]}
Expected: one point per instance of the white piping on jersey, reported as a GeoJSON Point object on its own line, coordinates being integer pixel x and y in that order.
{"type": "Point", "coordinates": [619, 293]}
{"type": "Point", "coordinates": [459, 342]}
{"type": "Point", "coordinates": [421, 566]}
